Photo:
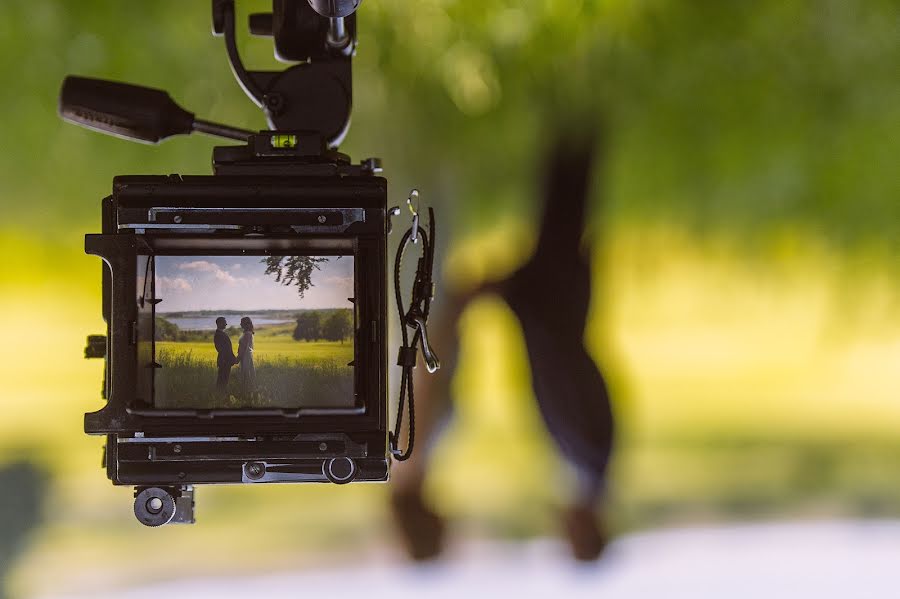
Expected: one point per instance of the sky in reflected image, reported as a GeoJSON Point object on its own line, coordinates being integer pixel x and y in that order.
{"type": "Point", "coordinates": [187, 283]}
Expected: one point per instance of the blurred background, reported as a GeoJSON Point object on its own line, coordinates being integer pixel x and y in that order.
{"type": "Point", "coordinates": [745, 231]}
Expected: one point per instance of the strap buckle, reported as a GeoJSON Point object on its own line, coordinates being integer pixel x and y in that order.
{"type": "Point", "coordinates": [414, 210]}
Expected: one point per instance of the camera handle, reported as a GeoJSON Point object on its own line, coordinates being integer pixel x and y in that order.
{"type": "Point", "coordinates": [312, 97]}
{"type": "Point", "coordinates": [416, 318]}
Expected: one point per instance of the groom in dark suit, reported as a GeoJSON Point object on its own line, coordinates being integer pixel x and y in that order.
{"type": "Point", "coordinates": [226, 359]}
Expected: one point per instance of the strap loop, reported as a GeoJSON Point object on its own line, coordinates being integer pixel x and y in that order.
{"type": "Point", "coordinates": [416, 318]}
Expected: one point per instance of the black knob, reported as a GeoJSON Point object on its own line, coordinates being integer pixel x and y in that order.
{"type": "Point", "coordinates": [131, 111]}
{"type": "Point", "coordinates": [154, 507]}
{"type": "Point", "coordinates": [335, 8]}
{"type": "Point", "coordinates": [340, 471]}
{"type": "Point", "coordinates": [96, 346]}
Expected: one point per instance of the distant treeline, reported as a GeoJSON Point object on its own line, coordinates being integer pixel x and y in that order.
{"type": "Point", "coordinates": [334, 324]}
{"type": "Point", "coordinates": [167, 330]}
{"type": "Point", "coordinates": [329, 325]}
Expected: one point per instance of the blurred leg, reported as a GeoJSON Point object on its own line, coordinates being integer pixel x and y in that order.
{"type": "Point", "coordinates": [550, 295]}
{"type": "Point", "coordinates": [583, 527]}
{"type": "Point", "coordinates": [419, 526]}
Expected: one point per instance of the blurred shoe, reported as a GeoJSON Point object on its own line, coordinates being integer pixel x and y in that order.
{"type": "Point", "coordinates": [587, 538]}
{"type": "Point", "coordinates": [422, 530]}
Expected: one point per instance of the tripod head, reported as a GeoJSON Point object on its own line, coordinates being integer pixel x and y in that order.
{"type": "Point", "coordinates": [312, 97]}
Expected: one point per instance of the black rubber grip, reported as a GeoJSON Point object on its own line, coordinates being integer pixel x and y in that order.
{"type": "Point", "coordinates": [130, 111]}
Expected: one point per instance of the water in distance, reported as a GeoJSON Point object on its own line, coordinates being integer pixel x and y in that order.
{"type": "Point", "coordinates": [208, 323]}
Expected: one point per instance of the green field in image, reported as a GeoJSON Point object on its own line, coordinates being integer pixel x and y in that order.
{"type": "Point", "coordinates": [289, 373]}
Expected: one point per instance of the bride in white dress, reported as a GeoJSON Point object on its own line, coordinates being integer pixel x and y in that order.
{"type": "Point", "coordinates": [245, 356]}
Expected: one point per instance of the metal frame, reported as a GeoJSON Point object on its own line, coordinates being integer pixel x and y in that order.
{"type": "Point", "coordinates": [183, 447]}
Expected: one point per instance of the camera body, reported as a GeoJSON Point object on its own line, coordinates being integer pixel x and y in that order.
{"type": "Point", "coordinates": [288, 237]}
{"type": "Point", "coordinates": [265, 199]}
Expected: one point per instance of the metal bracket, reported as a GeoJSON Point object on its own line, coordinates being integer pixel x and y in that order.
{"type": "Point", "coordinates": [414, 210]}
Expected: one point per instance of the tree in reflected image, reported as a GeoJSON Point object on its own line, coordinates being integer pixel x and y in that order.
{"type": "Point", "coordinates": [293, 270]}
{"type": "Point", "coordinates": [309, 326]}
{"type": "Point", "coordinates": [337, 326]}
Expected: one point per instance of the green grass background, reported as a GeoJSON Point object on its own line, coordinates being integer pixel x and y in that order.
{"type": "Point", "coordinates": [743, 391]}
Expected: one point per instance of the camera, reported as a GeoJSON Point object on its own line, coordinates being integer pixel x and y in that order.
{"type": "Point", "coordinates": [246, 310]}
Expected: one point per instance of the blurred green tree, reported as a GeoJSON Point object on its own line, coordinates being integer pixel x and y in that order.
{"type": "Point", "coordinates": [746, 117]}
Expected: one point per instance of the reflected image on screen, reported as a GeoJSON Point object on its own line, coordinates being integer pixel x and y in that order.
{"type": "Point", "coordinates": [252, 331]}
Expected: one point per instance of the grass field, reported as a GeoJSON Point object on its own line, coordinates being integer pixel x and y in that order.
{"type": "Point", "coordinates": [289, 374]}
{"type": "Point", "coordinates": [743, 390]}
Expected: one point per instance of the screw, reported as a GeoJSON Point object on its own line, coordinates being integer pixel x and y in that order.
{"type": "Point", "coordinates": [274, 102]}
{"type": "Point", "coordinates": [177, 219]}
{"type": "Point", "coordinates": [321, 219]}
{"type": "Point", "coordinates": [255, 470]}
{"type": "Point", "coordinates": [322, 446]}
{"type": "Point", "coordinates": [177, 448]}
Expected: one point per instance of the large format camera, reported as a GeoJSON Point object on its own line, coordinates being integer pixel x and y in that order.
{"type": "Point", "coordinates": [246, 311]}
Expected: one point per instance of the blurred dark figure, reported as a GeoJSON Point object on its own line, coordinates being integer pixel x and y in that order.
{"type": "Point", "coordinates": [550, 296]}
{"type": "Point", "coordinates": [225, 360]}
{"type": "Point", "coordinates": [23, 488]}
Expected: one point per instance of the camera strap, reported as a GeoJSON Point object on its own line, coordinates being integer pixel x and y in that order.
{"type": "Point", "coordinates": [415, 317]}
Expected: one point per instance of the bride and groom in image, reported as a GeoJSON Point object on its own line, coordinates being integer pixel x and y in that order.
{"type": "Point", "coordinates": [227, 360]}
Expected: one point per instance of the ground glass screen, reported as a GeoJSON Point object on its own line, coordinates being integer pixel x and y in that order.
{"type": "Point", "coordinates": [251, 331]}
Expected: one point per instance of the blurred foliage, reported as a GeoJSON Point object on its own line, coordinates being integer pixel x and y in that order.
{"type": "Point", "coordinates": [718, 113]}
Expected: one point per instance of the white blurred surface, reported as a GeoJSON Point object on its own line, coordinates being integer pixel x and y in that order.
{"type": "Point", "coordinates": [821, 560]}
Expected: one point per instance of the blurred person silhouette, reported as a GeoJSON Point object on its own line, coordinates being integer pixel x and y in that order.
{"type": "Point", "coordinates": [549, 295]}
{"type": "Point", "coordinates": [245, 356]}
{"type": "Point", "coordinates": [226, 359]}
{"type": "Point", "coordinates": [20, 511]}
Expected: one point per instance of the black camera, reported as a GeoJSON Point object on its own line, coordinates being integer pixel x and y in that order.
{"type": "Point", "coordinates": [246, 310]}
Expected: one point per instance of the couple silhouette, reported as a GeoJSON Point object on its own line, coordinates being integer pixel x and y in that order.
{"type": "Point", "coordinates": [227, 360]}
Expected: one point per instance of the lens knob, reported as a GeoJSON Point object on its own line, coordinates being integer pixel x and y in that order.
{"type": "Point", "coordinates": [154, 507]}
{"type": "Point", "coordinates": [340, 471]}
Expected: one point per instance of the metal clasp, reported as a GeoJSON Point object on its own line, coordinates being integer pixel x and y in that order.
{"type": "Point", "coordinates": [414, 210]}
{"type": "Point", "coordinates": [416, 320]}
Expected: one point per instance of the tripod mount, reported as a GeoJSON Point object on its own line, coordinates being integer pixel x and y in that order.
{"type": "Point", "coordinates": [307, 105]}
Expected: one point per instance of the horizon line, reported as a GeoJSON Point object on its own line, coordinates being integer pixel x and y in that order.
{"type": "Point", "coordinates": [255, 311]}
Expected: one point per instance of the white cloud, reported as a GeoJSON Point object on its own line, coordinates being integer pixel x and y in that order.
{"type": "Point", "coordinates": [339, 282]}
{"type": "Point", "coordinates": [214, 269]}
{"type": "Point", "coordinates": [169, 284]}
{"type": "Point", "coordinates": [201, 265]}
{"type": "Point", "coordinates": [225, 277]}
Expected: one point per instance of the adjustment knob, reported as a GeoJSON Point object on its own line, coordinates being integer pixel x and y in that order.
{"type": "Point", "coordinates": [154, 507]}
{"type": "Point", "coordinates": [340, 471]}
{"type": "Point", "coordinates": [335, 8]}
